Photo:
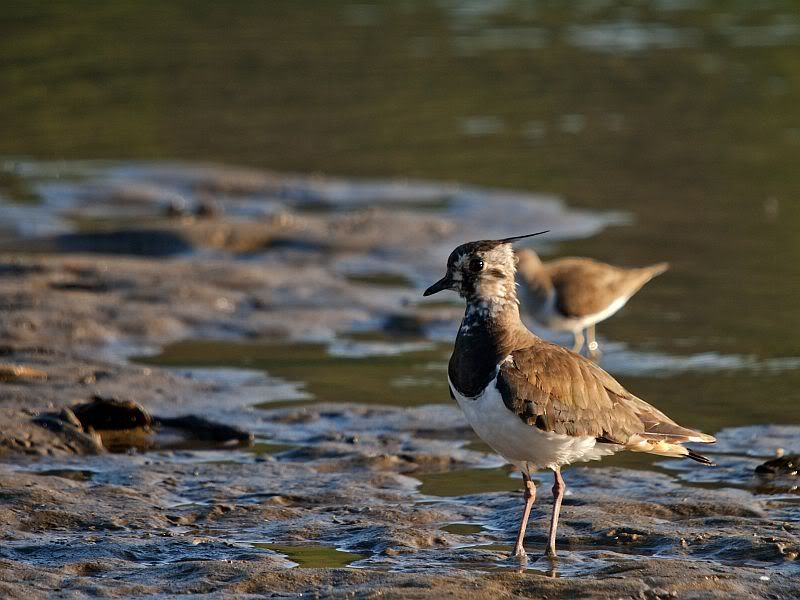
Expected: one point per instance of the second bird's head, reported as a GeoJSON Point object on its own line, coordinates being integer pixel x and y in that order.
{"type": "Point", "coordinates": [480, 270]}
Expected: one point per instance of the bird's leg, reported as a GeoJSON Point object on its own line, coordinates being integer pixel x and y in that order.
{"type": "Point", "coordinates": [578, 335]}
{"type": "Point", "coordinates": [592, 345]}
{"type": "Point", "coordinates": [530, 497]}
{"type": "Point", "coordinates": [558, 494]}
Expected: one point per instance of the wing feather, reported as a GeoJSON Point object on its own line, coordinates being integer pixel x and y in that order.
{"type": "Point", "coordinates": [553, 389]}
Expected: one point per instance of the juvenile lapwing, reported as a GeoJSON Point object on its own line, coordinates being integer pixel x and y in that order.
{"type": "Point", "coordinates": [535, 403]}
{"type": "Point", "coordinates": [574, 294]}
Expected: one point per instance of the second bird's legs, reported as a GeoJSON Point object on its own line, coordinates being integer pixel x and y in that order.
{"type": "Point", "coordinates": [591, 343]}
{"type": "Point", "coordinates": [558, 495]}
{"type": "Point", "coordinates": [530, 497]}
{"type": "Point", "coordinates": [592, 347]}
{"type": "Point", "coordinates": [578, 345]}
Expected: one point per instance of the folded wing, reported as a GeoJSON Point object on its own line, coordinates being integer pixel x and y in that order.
{"type": "Point", "coordinates": [553, 389]}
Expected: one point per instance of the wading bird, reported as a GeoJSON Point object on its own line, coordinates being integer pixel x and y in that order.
{"type": "Point", "coordinates": [535, 403]}
{"type": "Point", "coordinates": [574, 294]}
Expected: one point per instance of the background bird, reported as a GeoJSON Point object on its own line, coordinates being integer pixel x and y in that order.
{"type": "Point", "coordinates": [535, 403]}
{"type": "Point", "coordinates": [574, 294]}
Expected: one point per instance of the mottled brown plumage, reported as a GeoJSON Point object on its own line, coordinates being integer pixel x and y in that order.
{"type": "Point", "coordinates": [584, 286]}
{"type": "Point", "coordinates": [553, 389]}
{"type": "Point", "coordinates": [573, 294]}
{"type": "Point", "coordinates": [536, 403]}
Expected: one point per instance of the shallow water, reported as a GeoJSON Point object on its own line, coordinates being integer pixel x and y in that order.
{"type": "Point", "coordinates": [312, 557]}
{"type": "Point", "coordinates": [350, 371]}
{"type": "Point", "coordinates": [710, 392]}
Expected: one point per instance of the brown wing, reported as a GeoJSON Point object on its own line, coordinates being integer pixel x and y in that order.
{"type": "Point", "coordinates": [553, 389]}
{"type": "Point", "coordinates": [585, 287]}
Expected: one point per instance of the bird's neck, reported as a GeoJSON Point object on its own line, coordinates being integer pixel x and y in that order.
{"type": "Point", "coordinates": [490, 330]}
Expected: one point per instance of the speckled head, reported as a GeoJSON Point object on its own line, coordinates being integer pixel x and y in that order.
{"type": "Point", "coordinates": [481, 271]}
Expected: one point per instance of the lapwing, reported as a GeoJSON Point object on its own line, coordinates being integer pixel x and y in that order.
{"type": "Point", "coordinates": [537, 404]}
{"type": "Point", "coordinates": [574, 294]}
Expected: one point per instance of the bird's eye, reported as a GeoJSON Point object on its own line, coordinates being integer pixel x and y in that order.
{"type": "Point", "coordinates": [475, 265]}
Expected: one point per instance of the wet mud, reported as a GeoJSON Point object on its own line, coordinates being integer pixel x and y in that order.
{"type": "Point", "coordinates": [270, 385]}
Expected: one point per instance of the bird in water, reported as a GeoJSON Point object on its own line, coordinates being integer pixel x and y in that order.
{"type": "Point", "coordinates": [574, 294]}
{"type": "Point", "coordinates": [537, 404]}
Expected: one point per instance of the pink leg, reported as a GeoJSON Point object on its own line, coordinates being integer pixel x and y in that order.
{"type": "Point", "coordinates": [591, 343]}
{"type": "Point", "coordinates": [558, 496]}
{"type": "Point", "coordinates": [578, 338]}
{"type": "Point", "coordinates": [530, 497]}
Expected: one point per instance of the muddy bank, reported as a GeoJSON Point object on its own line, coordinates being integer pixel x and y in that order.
{"type": "Point", "coordinates": [239, 521]}
{"type": "Point", "coordinates": [346, 489]}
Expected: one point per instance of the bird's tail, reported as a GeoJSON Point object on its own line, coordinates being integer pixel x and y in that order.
{"type": "Point", "coordinates": [703, 460]}
{"type": "Point", "coordinates": [657, 269]}
{"type": "Point", "coordinates": [645, 274]}
{"type": "Point", "coordinates": [663, 446]}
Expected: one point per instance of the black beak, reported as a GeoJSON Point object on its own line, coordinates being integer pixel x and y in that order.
{"type": "Point", "coordinates": [511, 240]}
{"type": "Point", "coordinates": [443, 284]}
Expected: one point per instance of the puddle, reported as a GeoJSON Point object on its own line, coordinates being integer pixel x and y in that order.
{"type": "Point", "coordinates": [268, 448]}
{"type": "Point", "coordinates": [160, 440]}
{"type": "Point", "coordinates": [357, 377]}
{"type": "Point", "coordinates": [313, 557]}
{"type": "Point", "coordinates": [462, 528]}
{"type": "Point", "coordinates": [479, 445]}
{"type": "Point", "coordinates": [464, 482]}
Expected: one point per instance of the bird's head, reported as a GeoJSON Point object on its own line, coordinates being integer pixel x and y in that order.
{"type": "Point", "coordinates": [528, 262]}
{"type": "Point", "coordinates": [481, 271]}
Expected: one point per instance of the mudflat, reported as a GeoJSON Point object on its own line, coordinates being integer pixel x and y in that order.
{"type": "Point", "coordinates": [288, 309]}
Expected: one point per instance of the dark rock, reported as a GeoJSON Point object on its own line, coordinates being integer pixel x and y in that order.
{"type": "Point", "coordinates": [203, 429]}
{"type": "Point", "coordinates": [783, 465]}
{"type": "Point", "coordinates": [207, 209]}
{"type": "Point", "coordinates": [81, 442]}
{"type": "Point", "coordinates": [111, 413]}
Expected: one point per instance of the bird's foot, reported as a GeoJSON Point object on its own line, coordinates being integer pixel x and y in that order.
{"type": "Point", "coordinates": [520, 559]}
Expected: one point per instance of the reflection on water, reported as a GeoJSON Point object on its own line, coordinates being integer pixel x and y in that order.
{"type": "Point", "coordinates": [313, 557]}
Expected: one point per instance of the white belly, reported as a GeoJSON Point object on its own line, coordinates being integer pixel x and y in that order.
{"type": "Point", "coordinates": [524, 445]}
{"type": "Point", "coordinates": [549, 316]}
